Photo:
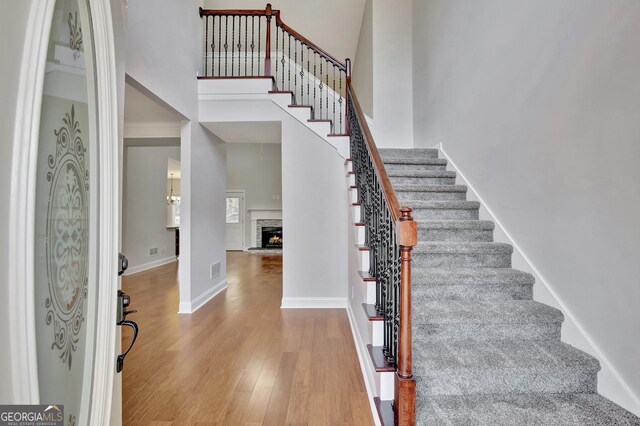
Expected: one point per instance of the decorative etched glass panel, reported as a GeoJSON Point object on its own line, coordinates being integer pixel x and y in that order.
{"type": "Point", "coordinates": [65, 215]}
{"type": "Point", "coordinates": [233, 209]}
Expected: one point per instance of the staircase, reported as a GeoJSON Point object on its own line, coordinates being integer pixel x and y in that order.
{"type": "Point", "coordinates": [484, 353]}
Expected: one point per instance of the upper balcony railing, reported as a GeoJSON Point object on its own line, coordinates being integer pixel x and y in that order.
{"type": "Point", "coordinates": [250, 43]}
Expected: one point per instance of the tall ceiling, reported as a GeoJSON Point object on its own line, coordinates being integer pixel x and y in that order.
{"type": "Point", "coordinates": [334, 25]}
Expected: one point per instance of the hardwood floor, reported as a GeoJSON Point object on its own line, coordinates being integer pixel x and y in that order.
{"type": "Point", "coordinates": [240, 359]}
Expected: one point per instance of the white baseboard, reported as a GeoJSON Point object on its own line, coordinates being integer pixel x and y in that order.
{"type": "Point", "coordinates": [366, 367]}
{"type": "Point", "coordinates": [610, 383]}
{"type": "Point", "coordinates": [200, 301]}
{"type": "Point", "coordinates": [313, 303]}
{"type": "Point", "coordinates": [149, 265]}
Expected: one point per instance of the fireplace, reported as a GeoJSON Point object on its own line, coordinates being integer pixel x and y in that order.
{"type": "Point", "coordinates": [272, 237]}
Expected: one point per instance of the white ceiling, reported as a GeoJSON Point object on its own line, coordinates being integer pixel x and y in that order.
{"type": "Point", "coordinates": [139, 108]}
{"type": "Point", "coordinates": [334, 25]}
{"type": "Point", "coordinates": [247, 131]}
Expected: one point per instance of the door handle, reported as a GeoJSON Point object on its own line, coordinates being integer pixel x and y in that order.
{"type": "Point", "coordinates": [123, 303]}
{"type": "Point", "coordinates": [120, 359]}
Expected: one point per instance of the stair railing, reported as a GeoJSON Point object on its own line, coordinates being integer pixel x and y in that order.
{"type": "Point", "coordinates": [318, 80]}
{"type": "Point", "coordinates": [391, 233]}
{"type": "Point", "coordinates": [250, 43]}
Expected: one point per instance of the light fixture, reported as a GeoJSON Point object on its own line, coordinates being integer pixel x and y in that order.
{"type": "Point", "coordinates": [172, 200]}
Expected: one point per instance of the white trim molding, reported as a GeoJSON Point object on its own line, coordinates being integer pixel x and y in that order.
{"type": "Point", "coordinates": [24, 365]}
{"type": "Point", "coordinates": [314, 303]}
{"type": "Point", "coordinates": [200, 301]}
{"type": "Point", "coordinates": [149, 265]}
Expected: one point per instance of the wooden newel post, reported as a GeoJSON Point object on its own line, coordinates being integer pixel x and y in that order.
{"type": "Point", "coordinates": [405, 384]}
{"type": "Point", "coordinates": [267, 57]}
{"type": "Point", "coordinates": [347, 64]}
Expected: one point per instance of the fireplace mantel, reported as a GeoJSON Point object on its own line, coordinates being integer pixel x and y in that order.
{"type": "Point", "coordinates": [261, 214]}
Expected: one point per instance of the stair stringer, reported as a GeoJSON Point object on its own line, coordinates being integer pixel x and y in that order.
{"type": "Point", "coordinates": [246, 90]}
{"type": "Point", "coordinates": [364, 332]}
{"type": "Point", "coordinates": [610, 383]}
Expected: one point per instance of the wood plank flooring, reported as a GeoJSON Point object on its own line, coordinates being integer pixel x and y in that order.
{"type": "Point", "coordinates": [240, 359]}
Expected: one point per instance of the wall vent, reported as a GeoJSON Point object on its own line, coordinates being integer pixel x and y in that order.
{"type": "Point", "coordinates": [214, 270]}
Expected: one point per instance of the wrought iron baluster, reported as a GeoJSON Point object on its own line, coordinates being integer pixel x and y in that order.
{"type": "Point", "coordinates": [253, 42]}
{"type": "Point", "coordinates": [327, 90]}
{"type": "Point", "coordinates": [308, 76]}
{"type": "Point", "coordinates": [283, 61]}
{"type": "Point", "coordinates": [246, 42]}
{"type": "Point", "coordinates": [259, 43]}
{"type": "Point", "coordinates": [289, 68]}
{"type": "Point", "coordinates": [213, 44]}
{"type": "Point", "coordinates": [314, 83]}
{"type": "Point", "coordinates": [206, 44]}
{"type": "Point", "coordinates": [277, 60]}
{"type": "Point", "coordinates": [239, 45]}
{"type": "Point", "coordinates": [340, 101]}
{"type": "Point", "coordinates": [302, 74]}
{"type": "Point", "coordinates": [233, 42]}
{"type": "Point", "coordinates": [320, 87]}
{"type": "Point", "coordinates": [295, 65]}
{"type": "Point", "coordinates": [333, 85]}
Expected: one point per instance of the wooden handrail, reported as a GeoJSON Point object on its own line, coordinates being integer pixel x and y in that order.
{"type": "Point", "coordinates": [237, 12]}
{"type": "Point", "coordinates": [308, 42]}
{"type": "Point", "coordinates": [389, 192]}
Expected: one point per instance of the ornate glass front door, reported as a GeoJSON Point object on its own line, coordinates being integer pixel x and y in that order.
{"type": "Point", "coordinates": [66, 215]}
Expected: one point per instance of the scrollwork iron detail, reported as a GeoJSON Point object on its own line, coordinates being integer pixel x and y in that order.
{"type": "Point", "coordinates": [67, 237]}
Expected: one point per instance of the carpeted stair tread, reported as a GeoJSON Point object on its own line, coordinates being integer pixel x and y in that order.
{"type": "Point", "coordinates": [415, 161]}
{"type": "Point", "coordinates": [422, 173]}
{"type": "Point", "coordinates": [408, 187]}
{"type": "Point", "coordinates": [465, 312]}
{"type": "Point", "coordinates": [456, 356]}
{"type": "Point", "coordinates": [456, 224]}
{"type": "Point", "coordinates": [387, 153]}
{"type": "Point", "coordinates": [462, 247]}
{"type": "Point", "coordinates": [470, 276]}
{"type": "Point", "coordinates": [521, 410]}
{"type": "Point", "coordinates": [445, 205]}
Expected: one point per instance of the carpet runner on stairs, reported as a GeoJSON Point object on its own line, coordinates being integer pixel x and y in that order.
{"type": "Point", "coordinates": [484, 352]}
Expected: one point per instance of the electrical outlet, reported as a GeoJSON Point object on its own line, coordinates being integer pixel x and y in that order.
{"type": "Point", "coordinates": [214, 270]}
{"type": "Point", "coordinates": [153, 251]}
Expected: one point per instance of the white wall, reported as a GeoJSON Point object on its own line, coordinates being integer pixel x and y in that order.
{"type": "Point", "coordinates": [13, 24]}
{"type": "Point", "coordinates": [392, 74]}
{"type": "Point", "coordinates": [538, 103]}
{"type": "Point", "coordinates": [145, 207]}
{"type": "Point", "coordinates": [260, 178]}
{"type": "Point", "coordinates": [163, 55]}
{"type": "Point", "coordinates": [362, 65]}
{"type": "Point", "coordinates": [314, 204]}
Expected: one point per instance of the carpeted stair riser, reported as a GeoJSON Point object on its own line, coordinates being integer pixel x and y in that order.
{"type": "Point", "coordinates": [486, 292]}
{"type": "Point", "coordinates": [507, 380]}
{"type": "Point", "coordinates": [455, 234]}
{"type": "Point", "coordinates": [522, 409]}
{"type": "Point", "coordinates": [422, 180]}
{"type": "Point", "coordinates": [461, 260]}
{"type": "Point", "coordinates": [386, 153]}
{"type": "Point", "coordinates": [503, 367]}
{"type": "Point", "coordinates": [438, 320]}
{"type": "Point", "coordinates": [392, 167]}
{"type": "Point", "coordinates": [445, 214]}
{"type": "Point", "coordinates": [407, 197]}
{"type": "Point", "coordinates": [429, 333]}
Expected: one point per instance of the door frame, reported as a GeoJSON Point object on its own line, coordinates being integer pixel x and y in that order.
{"type": "Point", "coordinates": [22, 340]}
{"type": "Point", "coordinates": [243, 213]}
